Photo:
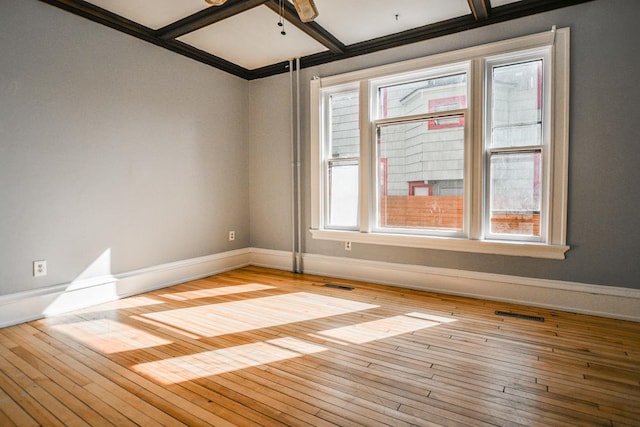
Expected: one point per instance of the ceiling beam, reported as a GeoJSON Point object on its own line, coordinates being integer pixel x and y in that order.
{"type": "Point", "coordinates": [529, 7]}
{"type": "Point", "coordinates": [480, 9]}
{"type": "Point", "coordinates": [205, 17]}
{"type": "Point", "coordinates": [311, 29]}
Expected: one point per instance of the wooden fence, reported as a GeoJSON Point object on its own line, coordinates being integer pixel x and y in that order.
{"type": "Point", "coordinates": [446, 212]}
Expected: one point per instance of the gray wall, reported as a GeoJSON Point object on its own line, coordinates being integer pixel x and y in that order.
{"type": "Point", "coordinates": [109, 145]}
{"type": "Point", "coordinates": [270, 163]}
{"type": "Point", "coordinates": [604, 200]}
{"type": "Point", "coordinates": [112, 146]}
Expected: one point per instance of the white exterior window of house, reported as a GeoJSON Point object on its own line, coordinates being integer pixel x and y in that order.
{"type": "Point", "coordinates": [463, 151]}
{"type": "Point", "coordinates": [342, 154]}
{"type": "Point", "coordinates": [419, 132]}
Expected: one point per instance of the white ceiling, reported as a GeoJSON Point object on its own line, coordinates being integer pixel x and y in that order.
{"type": "Point", "coordinates": [251, 38]}
{"type": "Point", "coordinates": [354, 21]}
{"type": "Point", "coordinates": [152, 13]}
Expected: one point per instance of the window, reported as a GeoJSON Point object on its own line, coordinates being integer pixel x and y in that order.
{"type": "Point", "coordinates": [420, 188]}
{"type": "Point", "coordinates": [516, 141]}
{"type": "Point", "coordinates": [342, 158]}
{"type": "Point", "coordinates": [419, 136]}
{"type": "Point", "coordinates": [480, 135]}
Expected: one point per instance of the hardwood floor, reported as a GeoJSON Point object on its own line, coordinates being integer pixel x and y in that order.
{"type": "Point", "coordinates": [265, 347]}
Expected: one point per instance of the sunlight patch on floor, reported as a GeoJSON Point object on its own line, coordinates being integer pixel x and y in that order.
{"type": "Point", "coordinates": [109, 336]}
{"type": "Point", "coordinates": [124, 303]}
{"type": "Point", "coordinates": [257, 313]}
{"type": "Point", "coordinates": [382, 328]}
{"type": "Point", "coordinates": [202, 365]}
{"type": "Point", "coordinates": [162, 327]}
{"type": "Point", "coordinates": [216, 292]}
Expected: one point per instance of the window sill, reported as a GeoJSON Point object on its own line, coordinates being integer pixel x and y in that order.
{"type": "Point", "coordinates": [534, 250]}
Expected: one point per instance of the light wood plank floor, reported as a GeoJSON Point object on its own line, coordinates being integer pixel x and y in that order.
{"type": "Point", "coordinates": [264, 347]}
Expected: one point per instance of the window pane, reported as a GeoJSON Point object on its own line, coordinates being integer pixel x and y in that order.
{"type": "Point", "coordinates": [421, 183]}
{"type": "Point", "coordinates": [342, 163]}
{"type": "Point", "coordinates": [424, 96]}
{"type": "Point", "coordinates": [515, 193]}
{"type": "Point", "coordinates": [343, 193]}
{"type": "Point", "coordinates": [517, 136]}
{"type": "Point", "coordinates": [517, 105]}
{"type": "Point", "coordinates": [345, 129]}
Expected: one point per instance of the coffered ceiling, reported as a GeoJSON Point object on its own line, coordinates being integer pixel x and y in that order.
{"type": "Point", "coordinates": [243, 37]}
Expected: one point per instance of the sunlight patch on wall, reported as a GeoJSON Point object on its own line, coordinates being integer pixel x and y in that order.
{"type": "Point", "coordinates": [109, 336]}
{"type": "Point", "coordinates": [202, 365]}
{"type": "Point", "coordinates": [383, 328]}
{"type": "Point", "coordinates": [239, 316]}
{"type": "Point", "coordinates": [94, 285]}
{"type": "Point", "coordinates": [216, 292]}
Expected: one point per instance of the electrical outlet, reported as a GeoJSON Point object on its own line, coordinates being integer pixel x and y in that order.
{"type": "Point", "coordinates": [39, 268]}
{"type": "Point", "coordinates": [347, 246]}
{"type": "Point", "coordinates": [232, 235]}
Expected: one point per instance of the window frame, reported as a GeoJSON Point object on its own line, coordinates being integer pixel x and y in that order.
{"type": "Point", "coordinates": [553, 245]}
{"type": "Point", "coordinates": [374, 227]}
{"type": "Point", "coordinates": [459, 100]}
{"type": "Point", "coordinates": [528, 55]}
{"type": "Point", "coordinates": [378, 118]}
{"type": "Point", "coordinates": [327, 159]}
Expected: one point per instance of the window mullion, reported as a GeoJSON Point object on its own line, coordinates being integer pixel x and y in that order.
{"type": "Point", "coordinates": [368, 174]}
{"type": "Point", "coordinates": [476, 152]}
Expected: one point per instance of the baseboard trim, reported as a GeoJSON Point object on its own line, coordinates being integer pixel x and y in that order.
{"type": "Point", "coordinates": [270, 258]}
{"type": "Point", "coordinates": [158, 277]}
{"type": "Point", "coordinates": [606, 301]}
{"type": "Point", "coordinates": [598, 300]}
{"type": "Point", "coordinates": [32, 305]}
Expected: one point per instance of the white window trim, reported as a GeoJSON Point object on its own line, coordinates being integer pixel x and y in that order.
{"type": "Point", "coordinates": [489, 63]}
{"type": "Point", "coordinates": [556, 246]}
{"type": "Point", "coordinates": [432, 72]}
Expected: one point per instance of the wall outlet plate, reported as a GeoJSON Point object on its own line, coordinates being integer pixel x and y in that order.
{"type": "Point", "coordinates": [232, 235]}
{"type": "Point", "coordinates": [347, 246]}
{"type": "Point", "coordinates": [39, 268]}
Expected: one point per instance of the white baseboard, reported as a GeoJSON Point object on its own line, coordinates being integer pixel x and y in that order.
{"type": "Point", "coordinates": [607, 301]}
{"type": "Point", "coordinates": [157, 277]}
{"type": "Point", "coordinates": [31, 305]}
{"type": "Point", "coordinates": [598, 300]}
{"type": "Point", "coordinates": [269, 258]}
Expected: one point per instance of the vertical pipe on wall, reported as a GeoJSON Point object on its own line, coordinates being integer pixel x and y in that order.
{"type": "Point", "coordinates": [294, 248]}
{"type": "Point", "coordinates": [296, 190]}
{"type": "Point", "coordinates": [298, 167]}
